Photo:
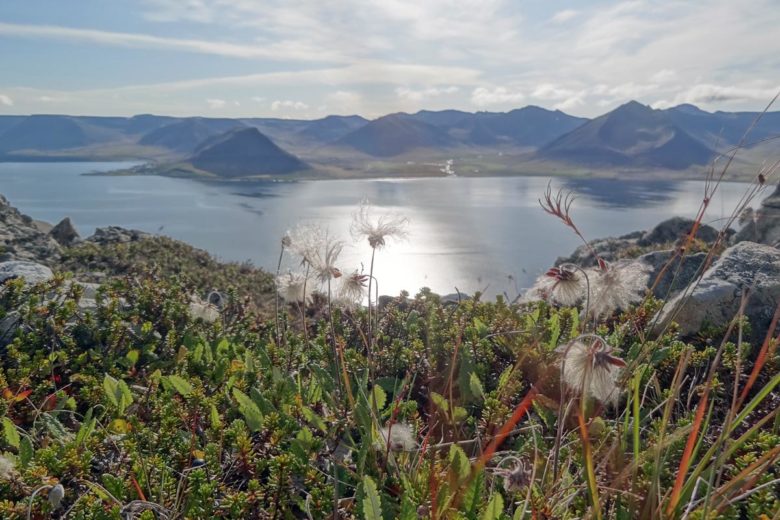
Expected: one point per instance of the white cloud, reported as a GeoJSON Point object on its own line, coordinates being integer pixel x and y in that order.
{"type": "Point", "coordinates": [577, 99]}
{"type": "Point", "coordinates": [258, 99]}
{"type": "Point", "coordinates": [401, 54]}
{"type": "Point", "coordinates": [664, 76]}
{"type": "Point", "coordinates": [279, 50]}
{"type": "Point", "coordinates": [6, 101]}
{"type": "Point", "coordinates": [549, 91]}
{"type": "Point", "coordinates": [409, 94]}
{"type": "Point", "coordinates": [563, 16]}
{"type": "Point", "coordinates": [483, 97]}
{"type": "Point", "coordinates": [216, 104]}
{"type": "Point", "coordinates": [287, 104]}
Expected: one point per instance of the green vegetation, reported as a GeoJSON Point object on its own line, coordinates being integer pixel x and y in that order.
{"type": "Point", "coordinates": [164, 257]}
{"type": "Point", "coordinates": [138, 409]}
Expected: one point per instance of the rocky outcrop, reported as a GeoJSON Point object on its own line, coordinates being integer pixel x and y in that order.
{"type": "Point", "coordinates": [667, 279]}
{"type": "Point", "coordinates": [21, 238]}
{"type": "Point", "coordinates": [65, 233]}
{"type": "Point", "coordinates": [116, 234]}
{"type": "Point", "coordinates": [675, 228]}
{"type": "Point", "coordinates": [667, 233]}
{"type": "Point", "coordinates": [763, 225]}
{"type": "Point", "coordinates": [610, 249]}
{"type": "Point", "coordinates": [716, 299]}
{"type": "Point", "coordinates": [30, 271]}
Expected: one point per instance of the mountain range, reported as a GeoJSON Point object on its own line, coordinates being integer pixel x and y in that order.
{"type": "Point", "coordinates": [530, 139]}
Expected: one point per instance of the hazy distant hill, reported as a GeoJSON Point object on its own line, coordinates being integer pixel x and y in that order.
{"type": "Point", "coordinates": [530, 126]}
{"type": "Point", "coordinates": [396, 134]}
{"type": "Point", "coordinates": [44, 132]}
{"type": "Point", "coordinates": [720, 129]}
{"type": "Point", "coordinates": [145, 123]}
{"type": "Point", "coordinates": [7, 122]}
{"type": "Point", "coordinates": [331, 128]}
{"type": "Point", "coordinates": [631, 135]}
{"type": "Point", "coordinates": [244, 152]}
{"type": "Point", "coordinates": [185, 135]}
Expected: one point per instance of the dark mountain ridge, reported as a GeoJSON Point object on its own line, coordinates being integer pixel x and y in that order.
{"type": "Point", "coordinates": [185, 135]}
{"type": "Point", "coordinates": [245, 152]}
{"type": "Point", "coordinates": [631, 135]}
{"type": "Point", "coordinates": [396, 134]}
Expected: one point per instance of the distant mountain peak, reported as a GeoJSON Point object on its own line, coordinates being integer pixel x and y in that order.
{"type": "Point", "coordinates": [395, 134]}
{"type": "Point", "coordinates": [245, 152]}
{"type": "Point", "coordinates": [633, 134]}
{"type": "Point", "coordinates": [689, 109]}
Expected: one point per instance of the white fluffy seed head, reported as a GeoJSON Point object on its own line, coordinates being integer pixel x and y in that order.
{"type": "Point", "coordinates": [352, 289]}
{"type": "Point", "coordinates": [400, 436]}
{"type": "Point", "coordinates": [616, 287]}
{"type": "Point", "coordinates": [589, 368]}
{"type": "Point", "coordinates": [304, 239]}
{"type": "Point", "coordinates": [293, 287]}
{"type": "Point", "coordinates": [563, 285]}
{"type": "Point", "coordinates": [378, 230]}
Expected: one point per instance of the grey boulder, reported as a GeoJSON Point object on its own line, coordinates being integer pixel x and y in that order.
{"type": "Point", "coordinates": [30, 271]}
{"type": "Point", "coordinates": [716, 299]}
{"type": "Point", "coordinates": [675, 228]}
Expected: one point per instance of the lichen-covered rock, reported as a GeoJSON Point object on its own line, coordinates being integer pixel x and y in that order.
{"type": "Point", "coordinates": [30, 271]}
{"type": "Point", "coordinates": [715, 300]}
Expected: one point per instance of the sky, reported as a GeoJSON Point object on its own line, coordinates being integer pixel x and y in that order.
{"type": "Point", "coordinates": [310, 58]}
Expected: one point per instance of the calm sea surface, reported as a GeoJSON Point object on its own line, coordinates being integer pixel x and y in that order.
{"type": "Point", "coordinates": [473, 234]}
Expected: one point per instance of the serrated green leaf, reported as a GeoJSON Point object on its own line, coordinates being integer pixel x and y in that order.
{"type": "Point", "coordinates": [117, 392]}
{"type": "Point", "coordinates": [503, 379]}
{"type": "Point", "coordinates": [372, 506]}
{"type": "Point", "coordinates": [378, 398]}
{"type": "Point", "coordinates": [262, 403]}
{"type": "Point", "coordinates": [475, 385]}
{"type": "Point", "coordinates": [26, 451]}
{"type": "Point", "coordinates": [408, 509]}
{"type": "Point", "coordinates": [459, 463]}
{"type": "Point", "coordinates": [11, 434]}
{"type": "Point", "coordinates": [440, 402]}
{"type": "Point", "coordinates": [250, 411]}
{"type": "Point", "coordinates": [459, 414]}
{"type": "Point", "coordinates": [472, 497]}
{"type": "Point", "coordinates": [216, 422]}
{"type": "Point", "coordinates": [494, 508]}
{"type": "Point", "coordinates": [181, 385]}
{"type": "Point", "coordinates": [110, 389]}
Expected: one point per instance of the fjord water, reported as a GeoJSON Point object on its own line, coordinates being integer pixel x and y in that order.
{"type": "Point", "coordinates": [465, 233]}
